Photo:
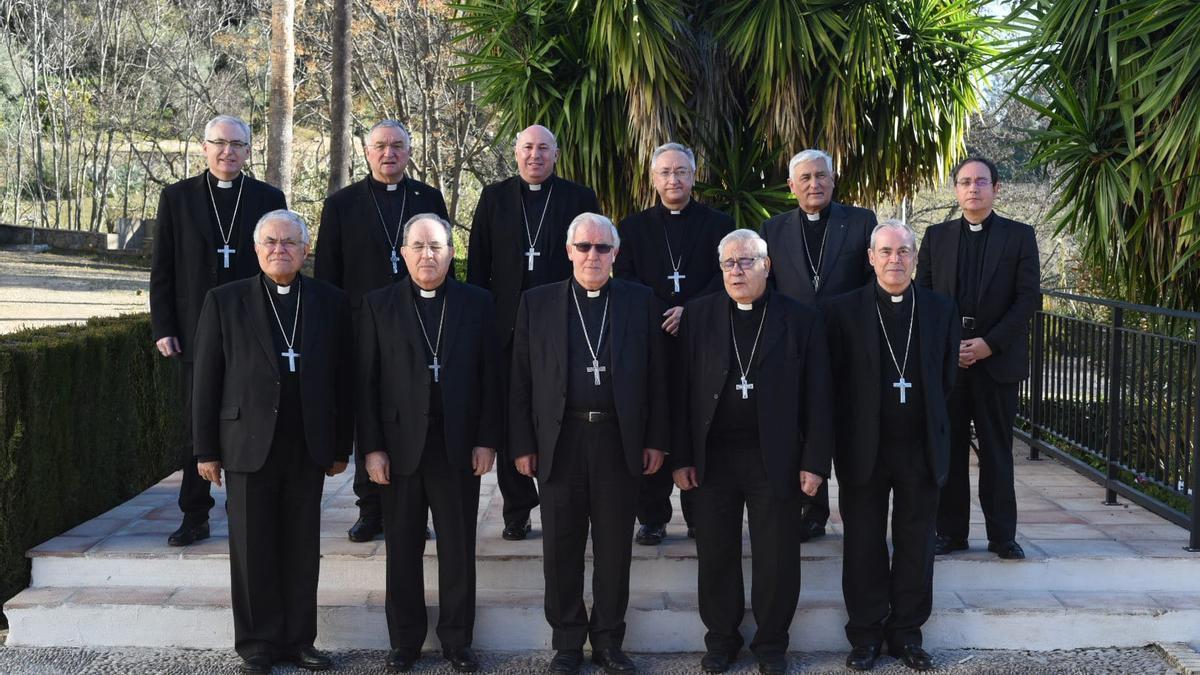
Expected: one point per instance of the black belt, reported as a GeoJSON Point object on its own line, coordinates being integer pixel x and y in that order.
{"type": "Point", "coordinates": [589, 415]}
{"type": "Point", "coordinates": [968, 323]}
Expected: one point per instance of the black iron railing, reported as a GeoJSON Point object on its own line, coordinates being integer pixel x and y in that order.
{"type": "Point", "coordinates": [1114, 394]}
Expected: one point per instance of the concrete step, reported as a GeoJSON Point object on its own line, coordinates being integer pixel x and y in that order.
{"type": "Point", "coordinates": [148, 616]}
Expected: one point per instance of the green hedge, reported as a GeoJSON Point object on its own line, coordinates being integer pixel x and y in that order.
{"type": "Point", "coordinates": [89, 417]}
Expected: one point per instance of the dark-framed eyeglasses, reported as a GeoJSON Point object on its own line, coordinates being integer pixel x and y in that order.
{"type": "Point", "coordinates": [741, 263]}
{"type": "Point", "coordinates": [221, 143]}
{"type": "Point", "coordinates": [585, 246]}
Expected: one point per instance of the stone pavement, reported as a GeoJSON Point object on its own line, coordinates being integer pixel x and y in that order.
{"type": "Point", "coordinates": [43, 289]}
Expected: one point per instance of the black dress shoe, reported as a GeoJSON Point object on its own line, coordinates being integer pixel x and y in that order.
{"type": "Point", "coordinates": [258, 663]}
{"type": "Point", "coordinates": [862, 658]}
{"type": "Point", "coordinates": [810, 529]}
{"type": "Point", "coordinates": [613, 660]}
{"type": "Point", "coordinates": [402, 660]}
{"type": "Point", "coordinates": [308, 658]}
{"type": "Point", "coordinates": [462, 660]}
{"type": "Point", "coordinates": [366, 528]}
{"type": "Point", "coordinates": [717, 660]}
{"type": "Point", "coordinates": [517, 532]}
{"type": "Point", "coordinates": [1008, 550]}
{"type": "Point", "coordinates": [691, 532]}
{"type": "Point", "coordinates": [772, 664]}
{"type": "Point", "coordinates": [566, 661]}
{"type": "Point", "coordinates": [187, 535]}
{"type": "Point", "coordinates": [651, 535]}
{"type": "Point", "coordinates": [914, 657]}
{"type": "Point", "coordinates": [943, 545]}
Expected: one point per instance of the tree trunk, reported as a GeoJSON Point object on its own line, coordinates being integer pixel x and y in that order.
{"type": "Point", "coordinates": [283, 66]}
{"type": "Point", "coordinates": [340, 145]}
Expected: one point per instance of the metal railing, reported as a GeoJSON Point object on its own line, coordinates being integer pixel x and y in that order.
{"type": "Point", "coordinates": [1114, 394]}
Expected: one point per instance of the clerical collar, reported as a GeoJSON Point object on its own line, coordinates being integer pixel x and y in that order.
{"type": "Point", "coordinates": [536, 187]}
{"type": "Point", "coordinates": [979, 227]}
{"type": "Point", "coordinates": [747, 307]}
{"type": "Point", "coordinates": [820, 215]}
{"type": "Point", "coordinates": [576, 286]}
{"type": "Point", "coordinates": [883, 295]}
{"type": "Point", "coordinates": [280, 289]}
{"type": "Point", "coordinates": [385, 187]}
{"type": "Point", "coordinates": [223, 184]}
{"type": "Point", "coordinates": [676, 212]}
{"type": "Point", "coordinates": [428, 295]}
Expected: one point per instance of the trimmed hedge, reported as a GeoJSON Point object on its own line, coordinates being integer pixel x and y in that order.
{"type": "Point", "coordinates": [89, 418]}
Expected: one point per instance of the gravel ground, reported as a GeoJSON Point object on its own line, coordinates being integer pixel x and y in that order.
{"type": "Point", "coordinates": [43, 289]}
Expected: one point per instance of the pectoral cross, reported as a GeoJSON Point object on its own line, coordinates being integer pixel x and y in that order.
{"type": "Point", "coordinates": [676, 277]}
{"type": "Point", "coordinates": [902, 384]}
{"type": "Point", "coordinates": [435, 367]}
{"type": "Point", "coordinates": [290, 355]}
{"type": "Point", "coordinates": [596, 369]}
{"type": "Point", "coordinates": [816, 281]}
{"type": "Point", "coordinates": [745, 387]}
{"type": "Point", "coordinates": [225, 251]}
{"type": "Point", "coordinates": [531, 254]}
{"type": "Point", "coordinates": [395, 262]}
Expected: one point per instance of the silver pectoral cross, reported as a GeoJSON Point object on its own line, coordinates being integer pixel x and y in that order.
{"type": "Point", "coordinates": [531, 254]}
{"type": "Point", "coordinates": [226, 251]}
{"type": "Point", "coordinates": [816, 281]}
{"type": "Point", "coordinates": [676, 277]}
{"type": "Point", "coordinates": [744, 387]}
{"type": "Point", "coordinates": [395, 262]}
{"type": "Point", "coordinates": [291, 356]}
{"type": "Point", "coordinates": [435, 367]}
{"type": "Point", "coordinates": [595, 370]}
{"type": "Point", "coordinates": [902, 384]}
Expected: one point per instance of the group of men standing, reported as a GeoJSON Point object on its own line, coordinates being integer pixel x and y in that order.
{"type": "Point", "coordinates": [611, 363]}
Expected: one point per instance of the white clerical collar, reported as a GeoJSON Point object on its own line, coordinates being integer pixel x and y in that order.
{"type": "Point", "coordinates": [391, 187]}
{"type": "Point", "coordinates": [535, 187]}
{"type": "Point", "coordinates": [745, 306]}
{"type": "Point", "coordinates": [674, 212]}
{"type": "Point", "coordinates": [593, 294]}
{"type": "Point", "coordinates": [813, 217]}
{"type": "Point", "coordinates": [224, 184]}
{"type": "Point", "coordinates": [897, 298]}
{"type": "Point", "coordinates": [428, 294]}
{"type": "Point", "coordinates": [283, 290]}
{"type": "Point", "coordinates": [975, 227]}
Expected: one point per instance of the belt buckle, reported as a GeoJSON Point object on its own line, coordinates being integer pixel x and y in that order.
{"type": "Point", "coordinates": [595, 416]}
{"type": "Point", "coordinates": [968, 323]}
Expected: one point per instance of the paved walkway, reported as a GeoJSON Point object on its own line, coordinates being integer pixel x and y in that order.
{"type": "Point", "coordinates": [44, 289]}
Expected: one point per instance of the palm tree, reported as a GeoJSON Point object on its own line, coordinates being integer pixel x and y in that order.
{"type": "Point", "coordinates": [886, 87]}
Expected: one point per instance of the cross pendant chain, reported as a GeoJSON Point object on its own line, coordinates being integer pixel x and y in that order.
{"type": "Point", "coordinates": [435, 345]}
{"type": "Point", "coordinates": [902, 384]}
{"type": "Point", "coordinates": [816, 281]}
{"type": "Point", "coordinates": [435, 367]}
{"type": "Point", "coordinates": [531, 254]}
{"type": "Point", "coordinates": [395, 241]}
{"type": "Point", "coordinates": [533, 238]}
{"type": "Point", "coordinates": [595, 370]}
{"type": "Point", "coordinates": [395, 262]}
{"type": "Point", "coordinates": [745, 388]}
{"type": "Point", "coordinates": [225, 251]}
{"type": "Point", "coordinates": [675, 278]}
{"type": "Point", "coordinates": [291, 356]}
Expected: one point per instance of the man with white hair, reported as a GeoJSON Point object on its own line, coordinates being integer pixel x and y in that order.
{"type": "Point", "coordinates": [518, 241]}
{"type": "Point", "coordinates": [668, 247]}
{"type": "Point", "coordinates": [273, 411]}
{"type": "Point", "coordinates": [204, 238]}
{"type": "Point", "coordinates": [817, 249]}
{"type": "Point", "coordinates": [358, 250]}
{"type": "Point", "coordinates": [752, 434]}
{"type": "Point", "coordinates": [588, 416]}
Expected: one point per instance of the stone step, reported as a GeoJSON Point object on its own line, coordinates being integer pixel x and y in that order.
{"type": "Point", "coordinates": [658, 622]}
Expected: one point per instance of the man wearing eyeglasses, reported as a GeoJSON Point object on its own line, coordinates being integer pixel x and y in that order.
{"type": "Point", "coordinates": [990, 266]}
{"type": "Point", "coordinates": [204, 238]}
{"type": "Point", "coordinates": [752, 433]}
{"type": "Point", "coordinates": [358, 250]}
{"type": "Point", "coordinates": [588, 416]}
{"type": "Point", "coordinates": [518, 241]}
{"type": "Point", "coordinates": [430, 417]}
{"type": "Point", "coordinates": [818, 254]}
{"type": "Point", "coordinates": [668, 247]}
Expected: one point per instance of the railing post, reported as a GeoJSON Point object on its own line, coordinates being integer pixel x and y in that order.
{"type": "Point", "coordinates": [1116, 358]}
{"type": "Point", "coordinates": [1035, 386]}
{"type": "Point", "coordinates": [1194, 539]}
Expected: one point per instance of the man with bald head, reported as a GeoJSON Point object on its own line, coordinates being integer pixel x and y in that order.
{"type": "Point", "coordinates": [518, 241]}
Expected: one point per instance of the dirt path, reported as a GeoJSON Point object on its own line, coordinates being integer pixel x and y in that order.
{"type": "Point", "coordinates": [43, 289]}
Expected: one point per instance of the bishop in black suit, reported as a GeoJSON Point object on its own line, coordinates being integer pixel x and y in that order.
{"type": "Point", "coordinates": [671, 247]}
{"type": "Point", "coordinates": [990, 266]}
{"type": "Point", "coordinates": [752, 431]}
{"type": "Point", "coordinates": [818, 254]}
{"type": "Point", "coordinates": [197, 248]}
{"type": "Point", "coordinates": [430, 419]}
{"type": "Point", "coordinates": [518, 241]}
{"type": "Point", "coordinates": [272, 406]}
{"type": "Point", "coordinates": [358, 250]}
{"type": "Point", "coordinates": [588, 417]}
{"type": "Point", "coordinates": [895, 348]}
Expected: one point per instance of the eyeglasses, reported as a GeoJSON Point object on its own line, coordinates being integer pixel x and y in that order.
{"type": "Point", "coordinates": [585, 246]}
{"type": "Point", "coordinates": [272, 243]}
{"type": "Point", "coordinates": [680, 174]}
{"type": "Point", "coordinates": [421, 249]}
{"type": "Point", "coordinates": [221, 144]}
{"type": "Point", "coordinates": [741, 263]}
{"type": "Point", "coordinates": [380, 147]}
{"type": "Point", "coordinates": [903, 253]}
{"type": "Point", "coordinates": [981, 182]}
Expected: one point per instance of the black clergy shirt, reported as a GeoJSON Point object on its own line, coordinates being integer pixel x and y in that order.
{"type": "Point", "coordinates": [582, 392]}
{"type": "Point", "coordinates": [693, 235]}
{"type": "Point", "coordinates": [900, 424]}
{"type": "Point", "coordinates": [971, 248]}
{"type": "Point", "coordinates": [735, 420]}
{"type": "Point", "coordinates": [814, 234]}
{"type": "Point", "coordinates": [535, 205]}
{"type": "Point", "coordinates": [226, 200]}
{"type": "Point", "coordinates": [397, 206]}
{"type": "Point", "coordinates": [431, 314]}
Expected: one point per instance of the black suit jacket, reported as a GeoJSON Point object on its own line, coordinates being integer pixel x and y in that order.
{"type": "Point", "coordinates": [1009, 288]}
{"type": "Point", "coordinates": [236, 389]}
{"type": "Point", "coordinates": [643, 256]}
{"type": "Point", "coordinates": [393, 376]}
{"type": "Point", "coordinates": [853, 327]}
{"type": "Point", "coordinates": [844, 266]}
{"type": "Point", "coordinates": [791, 384]}
{"type": "Point", "coordinates": [353, 252]}
{"type": "Point", "coordinates": [539, 372]}
{"type": "Point", "coordinates": [184, 263]}
{"type": "Point", "coordinates": [496, 250]}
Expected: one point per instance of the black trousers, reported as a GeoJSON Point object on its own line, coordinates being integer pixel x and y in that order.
{"type": "Point", "coordinates": [590, 485]}
{"type": "Point", "coordinates": [734, 479]}
{"type": "Point", "coordinates": [275, 552]}
{"type": "Point", "coordinates": [195, 500]}
{"type": "Point", "coordinates": [519, 492]}
{"type": "Point", "coordinates": [453, 496]}
{"type": "Point", "coordinates": [654, 499]}
{"type": "Point", "coordinates": [889, 600]}
{"type": "Point", "coordinates": [368, 502]}
{"type": "Point", "coordinates": [816, 507]}
{"type": "Point", "coordinates": [993, 407]}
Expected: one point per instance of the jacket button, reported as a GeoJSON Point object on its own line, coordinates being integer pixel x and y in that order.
{"type": "Point", "coordinates": [716, 396]}
{"type": "Point", "coordinates": [274, 409]}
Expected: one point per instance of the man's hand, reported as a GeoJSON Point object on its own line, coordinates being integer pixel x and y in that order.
{"type": "Point", "coordinates": [526, 465]}
{"type": "Point", "coordinates": [810, 483]}
{"type": "Point", "coordinates": [481, 459]}
{"type": "Point", "coordinates": [210, 471]}
{"type": "Point", "coordinates": [685, 478]}
{"type": "Point", "coordinates": [379, 468]}
{"type": "Point", "coordinates": [652, 460]}
{"type": "Point", "coordinates": [671, 321]}
{"type": "Point", "coordinates": [336, 468]}
{"type": "Point", "coordinates": [169, 346]}
{"type": "Point", "coordinates": [972, 350]}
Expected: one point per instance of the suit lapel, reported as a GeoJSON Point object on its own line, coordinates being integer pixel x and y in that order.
{"type": "Point", "coordinates": [835, 238]}
{"type": "Point", "coordinates": [997, 239]}
{"type": "Point", "coordinates": [255, 303]}
{"type": "Point", "coordinates": [927, 330]}
{"type": "Point", "coordinates": [868, 318]}
{"type": "Point", "coordinates": [774, 328]}
{"type": "Point", "coordinates": [619, 320]}
{"type": "Point", "coordinates": [556, 331]}
{"type": "Point", "coordinates": [310, 308]}
{"type": "Point", "coordinates": [947, 281]}
{"type": "Point", "coordinates": [714, 331]}
{"type": "Point", "coordinates": [454, 317]}
{"type": "Point", "coordinates": [406, 325]}
{"type": "Point", "coordinates": [202, 204]}
{"type": "Point", "coordinates": [795, 245]}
